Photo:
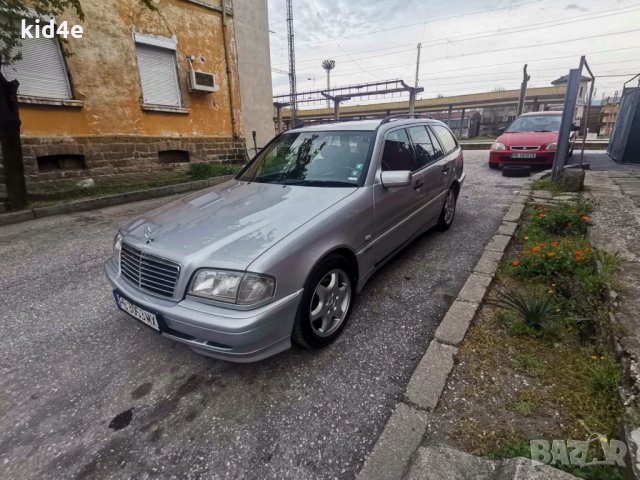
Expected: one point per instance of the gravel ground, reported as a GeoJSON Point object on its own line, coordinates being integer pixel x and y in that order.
{"type": "Point", "coordinates": [85, 392]}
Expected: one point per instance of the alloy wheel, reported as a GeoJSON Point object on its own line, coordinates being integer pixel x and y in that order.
{"type": "Point", "coordinates": [330, 303]}
{"type": "Point", "coordinates": [449, 207]}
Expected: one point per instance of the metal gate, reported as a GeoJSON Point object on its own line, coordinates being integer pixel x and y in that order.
{"type": "Point", "coordinates": [624, 146]}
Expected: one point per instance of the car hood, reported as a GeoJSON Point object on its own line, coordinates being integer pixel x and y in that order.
{"type": "Point", "coordinates": [231, 224]}
{"type": "Point", "coordinates": [527, 138]}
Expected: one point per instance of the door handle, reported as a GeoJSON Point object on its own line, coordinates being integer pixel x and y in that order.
{"type": "Point", "coordinates": [445, 169]}
{"type": "Point", "coordinates": [418, 184]}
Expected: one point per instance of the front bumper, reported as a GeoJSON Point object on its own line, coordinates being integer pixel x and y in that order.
{"type": "Point", "coordinates": [544, 158]}
{"type": "Point", "coordinates": [225, 333]}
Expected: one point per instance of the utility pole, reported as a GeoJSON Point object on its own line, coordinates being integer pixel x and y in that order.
{"type": "Point", "coordinates": [523, 90]}
{"type": "Point", "coordinates": [328, 65]}
{"type": "Point", "coordinates": [292, 65]}
{"type": "Point", "coordinates": [418, 64]}
{"type": "Point", "coordinates": [413, 92]}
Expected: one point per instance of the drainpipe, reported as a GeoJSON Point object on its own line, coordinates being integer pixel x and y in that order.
{"type": "Point", "coordinates": [230, 77]}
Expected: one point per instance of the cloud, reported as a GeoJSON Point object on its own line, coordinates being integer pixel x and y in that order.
{"type": "Point", "coordinates": [573, 6]}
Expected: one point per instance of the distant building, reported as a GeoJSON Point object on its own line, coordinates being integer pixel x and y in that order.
{"type": "Point", "coordinates": [583, 95]}
{"type": "Point", "coordinates": [608, 116]}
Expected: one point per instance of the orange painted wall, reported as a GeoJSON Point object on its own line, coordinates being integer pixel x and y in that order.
{"type": "Point", "coordinates": [104, 73]}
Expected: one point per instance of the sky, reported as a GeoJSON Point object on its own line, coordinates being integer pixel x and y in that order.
{"type": "Point", "coordinates": [468, 46]}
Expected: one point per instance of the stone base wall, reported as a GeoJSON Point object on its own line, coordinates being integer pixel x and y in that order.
{"type": "Point", "coordinates": [118, 158]}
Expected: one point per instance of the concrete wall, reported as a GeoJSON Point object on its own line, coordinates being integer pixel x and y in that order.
{"type": "Point", "coordinates": [251, 25]}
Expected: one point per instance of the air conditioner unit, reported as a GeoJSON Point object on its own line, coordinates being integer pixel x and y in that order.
{"type": "Point", "coordinates": [202, 81]}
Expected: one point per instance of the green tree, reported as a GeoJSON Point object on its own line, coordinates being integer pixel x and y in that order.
{"type": "Point", "coordinates": [12, 12]}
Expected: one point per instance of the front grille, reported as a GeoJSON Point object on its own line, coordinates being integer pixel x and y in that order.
{"type": "Point", "coordinates": [148, 271]}
{"type": "Point", "coordinates": [526, 147]}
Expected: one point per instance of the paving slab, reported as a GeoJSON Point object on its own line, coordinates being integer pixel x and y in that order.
{"type": "Point", "coordinates": [475, 288]}
{"type": "Point", "coordinates": [488, 263]}
{"type": "Point", "coordinates": [430, 377]}
{"type": "Point", "coordinates": [456, 322]}
{"type": "Point", "coordinates": [440, 462]}
{"type": "Point", "coordinates": [514, 212]}
{"type": "Point", "coordinates": [400, 438]}
{"type": "Point", "coordinates": [507, 228]}
{"type": "Point", "coordinates": [499, 242]}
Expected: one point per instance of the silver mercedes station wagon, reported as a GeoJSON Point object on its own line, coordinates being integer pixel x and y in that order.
{"type": "Point", "coordinates": [242, 270]}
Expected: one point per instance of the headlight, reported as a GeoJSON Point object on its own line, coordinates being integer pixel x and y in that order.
{"type": "Point", "coordinates": [233, 287]}
{"type": "Point", "coordinates": [551, 146]}
{"type": "Point", "coordinates": [498, 146]}
{"type": "Point", "coordinates": [117, 249]}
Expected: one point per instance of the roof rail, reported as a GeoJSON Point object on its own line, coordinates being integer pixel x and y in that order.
{"type": "Point", "coordinates": [398, 116]}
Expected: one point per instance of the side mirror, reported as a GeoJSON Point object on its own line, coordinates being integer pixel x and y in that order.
{"type": "Point", "coordinates": [502, 129]}
{"type": "Point", "coordinates": [574, 127]}
{"type": "Point", "coordinates": [394, 179]}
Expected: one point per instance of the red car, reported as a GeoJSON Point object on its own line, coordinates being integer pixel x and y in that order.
{"type": "Point", "coordinates": [530, 140]}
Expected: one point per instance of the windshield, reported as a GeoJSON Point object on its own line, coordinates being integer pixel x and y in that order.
{"type": "Point", "coordinates": [536, 123]}
{"type": "Point", "coordinates": [323, 159]}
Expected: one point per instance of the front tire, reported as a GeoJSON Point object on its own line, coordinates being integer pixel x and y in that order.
{"type": "Point", "coordinates": [325, 305]}
{"type": "Point", "coordinates": [448, 210]}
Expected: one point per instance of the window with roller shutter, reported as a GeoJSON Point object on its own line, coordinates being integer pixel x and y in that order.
{"type": "Point", "coordinates": [41, 71]}
{"type": "Point", "coordinates": [158, 72]}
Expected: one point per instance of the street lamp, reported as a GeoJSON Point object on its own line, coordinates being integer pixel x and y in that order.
{"type": "Point", "coordinates": [329, 65]}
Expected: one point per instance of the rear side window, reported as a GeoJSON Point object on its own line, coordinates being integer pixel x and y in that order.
{"type": "Point", "coordinates": [427, 148]}
{"type": "Point", "coordinates": [398, 154]}
{"type": "Point", "coordinates": [446, 138]}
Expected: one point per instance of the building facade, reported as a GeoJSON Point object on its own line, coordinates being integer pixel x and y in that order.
{"type": "Point", "coordinates": [141, 92]}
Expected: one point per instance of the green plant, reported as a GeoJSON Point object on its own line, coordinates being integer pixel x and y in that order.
{"type": "Point", "coordinates": [548, 259]}
{"type": "Point", "coordinates": [528, 363]}
{"type": "Point", "coordinates": [201, 171]}
{"type": "Point", "coordinates": [567, 218]}
{"type": "Point", "coordinates": [512, 448]}
{"type": "Point", "coordinates": [530, 306]}
{"type": "Point", "coordinates": [547, 184]}
{"type": "Point", "coordinates": [604, 375]}
{"type": "Point", "coordinates": [523, 406]}
{"type": "Point", "coordinates": [596, 282]}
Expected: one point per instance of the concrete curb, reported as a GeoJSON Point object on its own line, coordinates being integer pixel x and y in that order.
{"type": "Point", "coordinates": [393, 450]}
{"type": "Point", "coordinates": [109, 200]}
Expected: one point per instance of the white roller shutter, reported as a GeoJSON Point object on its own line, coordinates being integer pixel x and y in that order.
{"type": "Point", "coordinates": [41, 72]}
{"type": "Point", "coordinates": [158, 75]}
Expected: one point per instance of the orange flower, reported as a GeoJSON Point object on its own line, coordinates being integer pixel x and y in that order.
{"type": "Point", "coordinates": [528, 252]}
{"type": "Point", "coordinates": [536, 249]}
{"type": "Point", "coordinates": [550, 254]}
{"type": "Point", "coordinates": [554, 244]}
{"type": "Point", "coordinates": [578, 252]}
{"type": "Point", "coordinates": [541, 215]}
{"type": "Point", "coordinates": [585, 218]}
{"type": "Point", "coordinates": [579, 259]}
{"type": "Point", "coordinates": [587, 249]}
{"type": "Point", "coordinates": [515, 263]}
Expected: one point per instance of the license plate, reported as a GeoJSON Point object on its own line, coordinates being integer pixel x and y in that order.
{"type": "Point", "coordinates": [523, 155]}
{"type": "Point", "coordinates": [135, 311]}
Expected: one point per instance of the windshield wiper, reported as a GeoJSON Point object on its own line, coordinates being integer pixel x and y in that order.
{"type": "Point", "coordinates": [544, 131]}
{"type": "Point", "coordinates": [318, 183]}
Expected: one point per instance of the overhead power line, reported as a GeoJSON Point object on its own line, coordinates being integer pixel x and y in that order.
{"type": "Point", "coordinates": [477, 12]}
{"type": "Point", "coordinates": [493, 33]}
{"type": "Point", "coordinates": [538, 45]}
{"type": "Point", "coordinates": [313, 4]}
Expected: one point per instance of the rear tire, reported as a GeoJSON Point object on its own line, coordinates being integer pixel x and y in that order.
{"type": "Point", "coordinates": [516, 170]}
{"type": "Point", "coordinates": [448, 212]}
{"type": "Point", "coordinates": [326, 304]}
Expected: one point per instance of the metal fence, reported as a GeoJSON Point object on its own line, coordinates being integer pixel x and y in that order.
{"type": "Point", "coordinates": [624, 146]}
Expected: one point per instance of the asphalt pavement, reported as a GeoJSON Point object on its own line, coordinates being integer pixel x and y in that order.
{"type": "Point", "coordinates": [86, 392]}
